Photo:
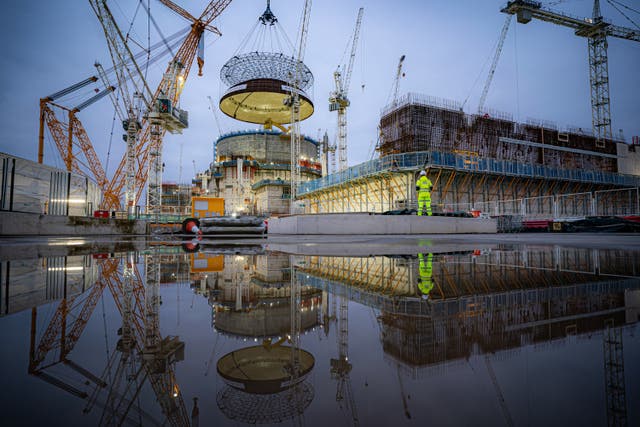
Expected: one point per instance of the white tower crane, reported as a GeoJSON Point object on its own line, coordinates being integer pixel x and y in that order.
{"type": "Point", "coordinates": [294, 103]}
{"type": "Point", "coordinates": [596, 30]}
{"type": "Point", "coordinates": [494, 63]}
{"type": "Point", "coordinates": [126, 69]}
{"type": "Point", "coordinates": [338, 100]}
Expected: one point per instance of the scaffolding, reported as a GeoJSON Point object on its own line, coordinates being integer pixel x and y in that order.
{"type": "Point", "coordinates": [472, 159]}
{"type": "Point", "coordinates": [422, 123]}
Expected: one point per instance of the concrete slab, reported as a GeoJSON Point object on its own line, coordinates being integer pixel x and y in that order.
{"type": "Point", "coordinates": [375, 224]}
{"type": "Point", "coordinates": [28, 224]}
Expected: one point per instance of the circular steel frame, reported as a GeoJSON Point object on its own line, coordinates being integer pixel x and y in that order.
{"type": "Point", "coordinates": [264, 65]}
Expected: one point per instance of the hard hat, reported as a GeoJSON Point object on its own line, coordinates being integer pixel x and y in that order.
{"type": "Point", "coordinates": [423, 173]}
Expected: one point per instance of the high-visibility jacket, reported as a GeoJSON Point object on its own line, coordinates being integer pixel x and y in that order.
{"type": "Point", "coordinates": [423, 184]}
{"type": "Point", "coordinates": [425, 269]}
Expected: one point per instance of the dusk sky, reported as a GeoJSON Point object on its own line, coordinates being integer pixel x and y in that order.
{"type": "Point", "coordinates": [542, 74]}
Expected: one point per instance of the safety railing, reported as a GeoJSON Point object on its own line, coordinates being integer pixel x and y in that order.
{"type": "Point", "coordinates": [622, 202]}
{"type": "Point", "coordinates": [424, 159]}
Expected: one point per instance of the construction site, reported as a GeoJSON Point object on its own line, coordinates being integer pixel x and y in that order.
{"type": "Point", "coordinates": [355, 324]}
{"type": "Point", "coordinates": [287, 283]}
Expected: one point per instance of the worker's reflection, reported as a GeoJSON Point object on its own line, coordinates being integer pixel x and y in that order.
{"type": "Point", "coordinates": [425, 284]}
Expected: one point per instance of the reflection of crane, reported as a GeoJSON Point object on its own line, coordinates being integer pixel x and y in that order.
{"type": "Point", "coordinates": [340, 367]}
{"type": "Point", "coordinates": [62, 338]}
{"type": "Point", "coordinates": [156, 364]}
{"type": "Point", "coordinates": [496, 386]}
{"type": "Point", "coordinates": [494, 63]}
{"type": "Point", "coordinates": [616, 393]}
{"type": "Point", "coordinates": [338, 100]}
{"type": "Point", "coordinates": [596, 30]}
{"type": "Point", "coordinates": [405, 397]}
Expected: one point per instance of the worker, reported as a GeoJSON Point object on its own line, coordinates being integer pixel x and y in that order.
{"type": "Point", "coordinates": [426, 271]}
{"type": "Point", "coordinates": [423, 187]}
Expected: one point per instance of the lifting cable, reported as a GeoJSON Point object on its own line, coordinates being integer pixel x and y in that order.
{"type": "Point", "coordinates": [611, 2]}
{"type": "Point", "coordinates": [113, 123]}
{"type": "Point", "coordinates": [515, 49]}
{"type": "Point", "coordinates": [473, 86]}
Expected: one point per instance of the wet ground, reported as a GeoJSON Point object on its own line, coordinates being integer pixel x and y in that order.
{"type": "Point", "coordinates": [527, 329]}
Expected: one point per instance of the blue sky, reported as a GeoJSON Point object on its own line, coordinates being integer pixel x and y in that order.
{"type": "Point", "coordinates": [542, 73]}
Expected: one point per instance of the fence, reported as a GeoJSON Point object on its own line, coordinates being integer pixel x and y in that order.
{"type": "Point", "coordinates": [422, 159]}
{"type": "Point", "coordinates": [621, 202]}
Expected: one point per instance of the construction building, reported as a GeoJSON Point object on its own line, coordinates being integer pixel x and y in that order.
{"type": "Point", "coordinates": [252, 171]}
{"type": "Point", "coordinates": [176, 198]}
{"type": "Point", "coordinates": [474, 161]}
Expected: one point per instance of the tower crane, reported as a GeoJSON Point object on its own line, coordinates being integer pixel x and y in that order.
{"type": "Point", "coordinates": [494, 63]}
{"type": "Point", "coordinates": [396, 82]}
{"type": "Point", "coordinates": [294, 103]}
{"type": "Point", "coordinates": [596, 30]}
{"type": "Point", "coordinates": [338, 100]}
{"type": "Point", "coordinates": [71, 136]}
{"type": "Point", "coordinates": [164, 115]}
{"type": "Point", "coordinates": [126, 69]}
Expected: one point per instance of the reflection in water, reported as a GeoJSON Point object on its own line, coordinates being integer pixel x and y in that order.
{"type": "Point", "coordinates": [262, 386]}
{"type": "Point", "coordinates": [434, 311]}
{"type": "Point", "coordinates": [490, 302]}
{"type": "Point", "coordinates": [254, 296]}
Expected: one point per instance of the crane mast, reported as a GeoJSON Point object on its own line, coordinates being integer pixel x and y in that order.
{"type": "Point", "coordinates": [596, 30]}
{"type": "Point", "coordinates": [126, 69]}
{"type": "Point", "coordinates": [151, 134]}
{"type": "Point", "coordinates": [338, 100]}
{"type": "Point", "coordinates": [294, 103]}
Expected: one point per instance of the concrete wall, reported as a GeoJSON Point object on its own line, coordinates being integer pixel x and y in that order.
{"type": "Point", "coordinates": [363, 223]}
{"type": "Point", "coordinates": [27, 224]}
{"type": "Point", "coordinates": [628, 159]}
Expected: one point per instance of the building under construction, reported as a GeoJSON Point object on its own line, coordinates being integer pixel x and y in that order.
{"type": "Point", "coordinates": [475, 160]}
{"type": "Point", "coordinates": [252, 170]}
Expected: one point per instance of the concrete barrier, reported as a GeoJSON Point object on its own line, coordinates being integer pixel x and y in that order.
{"type": "Point", "coordinates": [28, 224]}
{"type": "Point", "coordinates": [372, 224]}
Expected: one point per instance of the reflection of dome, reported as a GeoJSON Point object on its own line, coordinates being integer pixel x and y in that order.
{"type": "Point", "coordinates": [266, 320]}
{"type": "Point", "coordinates": [265, 408]}
{"type": "Point", "coordinates": [263, 369]}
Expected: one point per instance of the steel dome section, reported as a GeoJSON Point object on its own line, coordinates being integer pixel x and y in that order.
{"type": "Point", "coordinates": [264, 65]}
{"type": "Point", "coordinates": [263, 101]}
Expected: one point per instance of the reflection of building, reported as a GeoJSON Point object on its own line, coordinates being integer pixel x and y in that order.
{"type": "Point", "coordinates": [33, 282]}
{"type": "Point", "coordinates": [252, 297]}
{"type": "Point", "coordinates": [252, 170]}
{"type": "Point", "coordinates": [488, 302]}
